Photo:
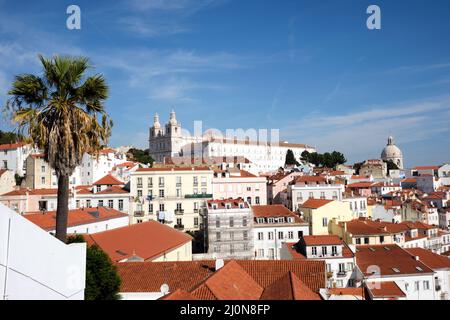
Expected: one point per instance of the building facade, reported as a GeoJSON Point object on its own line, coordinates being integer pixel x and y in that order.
{"type": "Point", "coordinates": [174, 196]}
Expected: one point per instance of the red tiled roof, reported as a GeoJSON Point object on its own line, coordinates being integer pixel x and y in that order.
{"type": "Point", "coordinates": [385, 289]}
{"type": "Point", "coordinates": [307, 179]}
{"type": "Point", "coordinates": [231, 282]}
{"type": "Point", "coordinates": [179, 295]}
{"type": "Point", "coordinates": [23, 192]}
{"type": "Point", "coordinates": [409, 180]}
{"type": "Point", "coordinates": [147, 240]}
{"type": "Point", "coordinates": [432, 260]}
{"type": "Point", "coordinates": [358, 292]}
{"type": "Point", "coordinates": [289, 287]}
{"type": "Point", "coordinates": [107, 150]}
{"type": "Point", "coordinates": [388, 258]}
{"type": "Point", "coordinates": [221, 204]}
{"type": "Point", "coordinates": [191, 275]}
{"type": "Point", "coordinates": [315, 203]}
{"type": "Point", "coordinates": [427, 168]}
{"type": "Point", "coordinates": [76, 217]}
{"type": "Point", "coordinates": [322, 240]}
{"type": "Point", "coordinates": [360, 185]}
{"type": "Point", "coordinates": [270, 211]}
{"type": "Point", "coordinates": [173, 169]}
{"type": "Point", "coordinates": [109, 180]}
{"type": "Point", "coordinates": [2, 171]}
{"type": "Point", "coordinates": [113, 190]}
{"type": "Point", "coordinates": [12, 146]}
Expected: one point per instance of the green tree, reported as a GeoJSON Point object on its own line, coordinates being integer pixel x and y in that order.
{"type": "Point", "coordinates": [290, 158]}
{"type": "Point", "coordinates": [316, 159]}
{"type": "Point", "coordinates": [8, 137]}
{"type": "Point", "coordinates": [62, 112]}
{"type": "Point", "coordinates": [305, 156]}
{"type": "Point", "coordinates": [102, 280]}
{"type": "Point", "coordinates": [337, 158]}
{"type": "Point", "coordinates": [142, 156]}
{"type": "Point", "coordinates": [391, 165]}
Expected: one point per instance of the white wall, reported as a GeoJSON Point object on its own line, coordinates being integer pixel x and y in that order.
{"type": "Point", "coordinates": [36, 266]}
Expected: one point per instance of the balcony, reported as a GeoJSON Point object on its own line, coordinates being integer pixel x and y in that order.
{"type": "Point", "coordinates": [341, 274]}
{"type": "Point", "coordinates": [151, 198]}
{"type": "Point", "coordinates": [179, 226]}
{"type": "Point", "coordinates": [179, 211]}
{"type": "Point", "coordinates": [178, 184]}
{"type": "Point", "coordinates": [139, 214]}
{"type": "Point", "coordinates": [198, 196]}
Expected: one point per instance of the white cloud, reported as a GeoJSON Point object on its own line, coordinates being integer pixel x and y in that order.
{"type": "Point", "coordinates": [361, 135]}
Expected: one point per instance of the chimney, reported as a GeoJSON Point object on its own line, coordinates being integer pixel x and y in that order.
{"type": "Point", "coordinates": [417, 258]}
{"type": "Point", "coordinates": [219, 264]}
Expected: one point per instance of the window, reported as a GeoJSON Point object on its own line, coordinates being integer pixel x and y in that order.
{"type": "Point", "coordinates": [161, 193]}
{"type": "Point", "coordinates": [280, 235]}
{"type": "Point", "coordinates": [358, 240]}
{"type": "Point", "coordinates": [245, 235]}
{"type": "Point", "coordinates": [100, 203]}
{"type": "Point", "coordinates": [291, 234]}
{"type": "Point", "coordinates": [325, 222]}
{"type": "Point", "coordinates": [179, 221]}
{"type": "Point", "coordinates": [314, 251]}
{"type": "Point", "coordinates": [231, 222]}
{"type": "Point", "coordinates": [217, 223]}
{"type": "Point", "coordinates": [150, 207]}
{"type": "Point", "coordinates": [328, 267]}
{"type": "Point", "coordinates": [217, 236]}
{"type": "Point", "coordinates": [195, 181]}
{"type": "Point", "coordinates": [366, 240]}
{"type": "Point", "coordinates": [335, 196]}
{"type": "Point", "coordinates": [270, 235]}
{"type": "Point", "coordinates": [161, 181]}
{"type": "Point", "coordinates": [139, 193]}
{"type": "Point", "coordinates": [42, 168]}
{"type": "Point", "coordinates": [257, 200]}
{"type": "Point", "coordinates": [88, 203]}
{"type": "Point", "coordinates": [416, 286]}
{"type": "Point", "coordinates": [381, 239]}
{"type": "Point", "coordinates": [111, 204]}
{"type": "Point", "coordinates": [244, 222]}
{"type": "Point", "coordinates": [311, 195]}
{"type": "Point", "coordinates": [322, 195]}
{"type": "Point", "coordinates": [5, 164]}
{"type": "Point", "coordinates": [249, 200]}
{"type": "Point", "coordinates": [341, 267]}
{"type": "Point", "coordinates": [139, 182]}
{"type": "Point", "coordinates": [150, 182]}
{"type": "Point", "coordinates": [426, 285]}
{"type": "Point", "coordinates": [324, 251]}
{"type": "Point", "coordinates": [350, 266]}
{"type": "Point", "coordinates": [300, 234]}
{"type": "Point", "coordinates": [271, 253]}
{"type": "Point", "coordinates": [261, 253]}
{"type": "Point", "coordinates": [43, 180]}
{"type": "Point", "coordinates": [179, 207]}
{"type": "Point", "coordinates": [178, 193]}
{"type": "Point", "coordinates": [260, 236]}
{"type": "Point", "coordinates": [334, 250]}
{"type": "Point", "coordinates": [162, 207]}
{"type": "Point", "coordinates": [78, 204]}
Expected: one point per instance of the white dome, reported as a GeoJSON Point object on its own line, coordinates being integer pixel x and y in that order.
{"type": "Point", "coordinates": [390, 152]}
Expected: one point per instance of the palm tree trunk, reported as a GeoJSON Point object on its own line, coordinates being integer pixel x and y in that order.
{"type": "Point", "coordinates": [62, 211]}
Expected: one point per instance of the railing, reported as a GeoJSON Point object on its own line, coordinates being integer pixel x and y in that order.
{"type": "Point", "coordinates": [342, 274]}
{"type": "Point", "coordinates": [139, 213]}
{"type": "Point", "coordinates": [179, 226]}
{"type": "Point", "coordinates": [198, 196]}
{"type": "Point", "coordinates": [179, 211]}
{"type": "Point", "coordinates": [178, 185]}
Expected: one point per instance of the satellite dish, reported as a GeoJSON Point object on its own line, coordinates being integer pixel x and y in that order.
{"type": "Point", "coordinates": [164, 289]}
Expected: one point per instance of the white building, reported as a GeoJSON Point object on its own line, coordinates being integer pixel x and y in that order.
{"type": "Point", "coordinates": [173, 141]}
{"type": "Point", "coordinates": [7, 181]}
{"type": "Point", "coordinates": [275, 225]}
{"type": "Point", "coordinates": [36, 266]}
{"type": "Point", "coordinates": [358, 205]}
{"type": "Point", "coordinates": [339, 258]}
{"type": "Point", "coordinates": [312, 187]}
{"type": "Point", "coordinates": [13, 156]}
{"type": "Point", "coordinates": [94, 167]}
{"type": "Point", "coordinates": [390, 263]}
{"type": "Point", "coordinates": [82, 221]}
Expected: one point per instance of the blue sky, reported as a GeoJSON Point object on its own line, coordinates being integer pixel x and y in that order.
{"type": "Point", "coordinates": [309, 68]}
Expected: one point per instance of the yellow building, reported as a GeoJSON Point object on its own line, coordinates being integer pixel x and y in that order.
{"type": "Point", "coordinates": [319, 213]}
{"type": "Point", "coordinates": [368, 232]}
{"type": "Point", "coordinates": [39, 173]}
{"type": "Point", "coordinates": [173, 196]}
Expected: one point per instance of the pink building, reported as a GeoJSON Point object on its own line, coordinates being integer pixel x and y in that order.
{"type": "Point", "coordinates": [239, 184]}
{"type": "Point", "coordinates": [278, 183]}
{"type": "Point", "coordinates": [30, 200]}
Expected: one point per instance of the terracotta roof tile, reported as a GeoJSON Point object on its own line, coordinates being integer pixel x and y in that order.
{"type": "Point", "coordinates": [315, 203]}
{"type": "Point", "coordinates": [147, 240]}
{"type": "Point", "coordinates": [385, 289]}
{"type": "Point", "coordinates": [432, 260]}
{"type": "Point", "coordinates": [109, 180]}
{"type": "Point", "coordinates": [76, 217]}
{"type": "Point", "coordinates": [12, 146]}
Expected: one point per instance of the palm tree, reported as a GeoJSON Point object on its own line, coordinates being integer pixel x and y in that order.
{"type": "Point", "coordinates": [62, 113]}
